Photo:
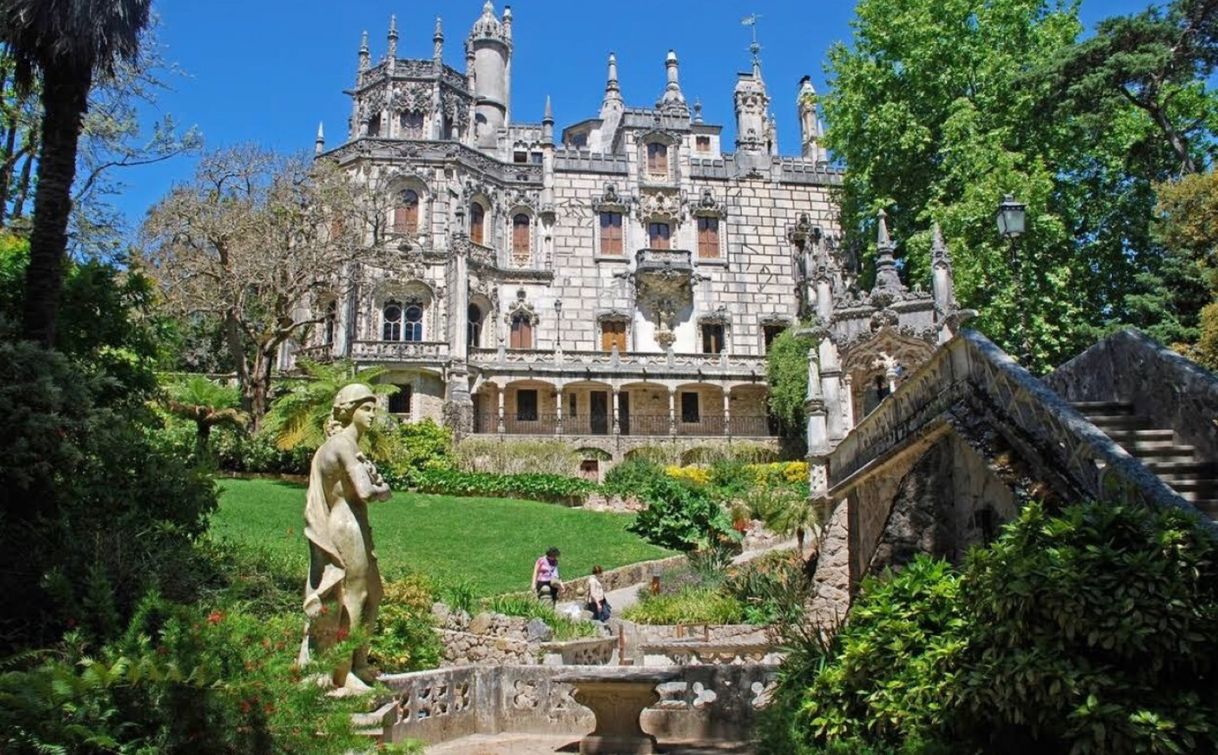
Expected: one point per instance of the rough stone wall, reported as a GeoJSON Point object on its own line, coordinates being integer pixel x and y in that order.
{"type": "Point", "coordinates": [467, 649]}
{"type": "Point", "coordinates": [831, 582]}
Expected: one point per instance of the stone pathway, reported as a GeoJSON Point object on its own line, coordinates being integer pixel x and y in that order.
{"type": "Point", "coordinates": [536, 744]}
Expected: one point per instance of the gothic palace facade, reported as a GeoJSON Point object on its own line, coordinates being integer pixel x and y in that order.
{"type": "Point", "coordinates": [616, 285]}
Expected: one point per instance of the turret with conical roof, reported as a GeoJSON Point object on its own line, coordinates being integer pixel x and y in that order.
{"type": "Point", "coordinates": [489, 52]}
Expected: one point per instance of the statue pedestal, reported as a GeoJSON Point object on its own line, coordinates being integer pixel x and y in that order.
{"type": "Point", "coordinates": [617, 697]}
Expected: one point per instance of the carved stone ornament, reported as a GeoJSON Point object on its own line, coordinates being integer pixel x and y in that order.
{"type": "Point", "coordinates": [610, 200]}
{"type": "Point", "coordinates": [887, 346]}
{"type": "Point", "coordinates": [662, 206]}
{"type": "Point", "coordinates": [709, 206]}
{"type": "Point", "coordinates": [520, 307]}
{"type": "Point", "coordinates": [414, 96]}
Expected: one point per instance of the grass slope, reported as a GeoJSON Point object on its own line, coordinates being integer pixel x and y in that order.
{"type": "Point", "coordinates": [492, 543]}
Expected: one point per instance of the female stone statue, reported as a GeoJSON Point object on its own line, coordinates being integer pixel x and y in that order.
{"type": "Point", "coordinates": [344, 586]}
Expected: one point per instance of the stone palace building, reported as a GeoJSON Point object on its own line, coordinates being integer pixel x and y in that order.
{"type": "Point", "coordinates": [616, 283]}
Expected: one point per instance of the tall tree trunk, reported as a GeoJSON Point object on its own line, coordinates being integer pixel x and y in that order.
{"type": "Point", "coordinates": [65, 96]}
{"type": "Point", "coordinates": [258, 391]}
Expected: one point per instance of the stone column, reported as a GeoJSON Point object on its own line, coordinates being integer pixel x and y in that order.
{"type": "Point", "coordinates": [672, 411]}
{"type": "Point", "coordinates": [727, 412]}
{"type": "Point", "coordinates": [502, 397]}
{"type": "Point", "coordinates": [613, 407]}
{"type": "Point", "coordinates": [458, 405]}
{"type": "Point", "coordinates": [558, 409]}
{"type": "Point", "coordinates": [830, 381]}
{"type": "Point", "coordinates": [817, 434]}
{"type": "Point", "coordinates": [848, 401]}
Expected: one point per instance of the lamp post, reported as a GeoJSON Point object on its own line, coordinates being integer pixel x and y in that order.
{"type": "Point", "coordinates": [558, 324]}
{"type": "Point", "coordinates": [1012, 221]}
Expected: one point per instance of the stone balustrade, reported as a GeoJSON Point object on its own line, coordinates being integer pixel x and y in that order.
{"type": "Point", "coordinates": [632, 363]}
{"type": "Point", "coordinates": [701, 702]}
{"type": "Point", "coordinates": [971, 365]}
{"type": "Point", "coordinates": [431, 352]}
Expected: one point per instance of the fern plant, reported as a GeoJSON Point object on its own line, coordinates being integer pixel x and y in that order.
{"type": "Point", "coordinates": [299, 417]}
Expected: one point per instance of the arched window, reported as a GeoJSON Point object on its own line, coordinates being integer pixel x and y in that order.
{"type": "Point", "coordinates": [522, 332]}
{"type": "Point", "coordinates": [473, 332]}
{"type": "Point", "coordinates": [330, 322]}
{"type": "Point", "coordinates": [659, 236]}
{"type": "Point", "coordinates": [657, 160]}
{"type": "Point", "coordinates": [476, 218]}
{"type": "Point", "coordinates": [414, 323]}
{"type": "Point", "coordinates": [708, 238]}
{"type": "Point", "coordinates": [406, 214]}
{"type": "Point", "coordinates": [520, 235]}
{"type": "Point", "coordinates": [374, 125]}
{"type": "Point", "coordinates": [391, 316]}
{"type": "Point", "coordinates": [412, 124]}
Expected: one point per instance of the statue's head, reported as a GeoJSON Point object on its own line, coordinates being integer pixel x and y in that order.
{"type": "Point", "coordinates": [349, 399]}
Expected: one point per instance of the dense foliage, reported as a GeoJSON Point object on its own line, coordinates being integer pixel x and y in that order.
{"type": "Point", "coordinates": [679, 515]}
{"type": "Point", "coordinates": [1091, 631]}
{"type": "Point", "coordinates": [786, 367]}
{"type": "Point", "coordinates": [404, 639]}
{"type": "Point", "coordinates": [497, 456]}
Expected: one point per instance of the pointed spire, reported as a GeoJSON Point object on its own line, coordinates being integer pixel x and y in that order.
{"type": "Point", "coordinates": [437, 41]}
{"type": "Point", "coordinates": [886, 275]}
{"type": "Point", "coordinates": [391, 53]}
{"type": "Point", "coordinates": [611, 85]}
{"type": "Point", "coordinates": [613, 92]}
{"type": "Point", "coordinates": [364, 59]}
{"type": "Point", "coordinates": [938, 249]}
{"type": "Point", "coordinates": [882, 240]}
{"type": "Point", "coordinates": [548, 115]}
{"type": "Point", "coordinates": [319, 144]}
{"type": "Point", "coordinates": [698, 111]}
{"type": "Point", "coordinates": [672, 99]}
{"type": "Point", "coordinates": [507, 22]}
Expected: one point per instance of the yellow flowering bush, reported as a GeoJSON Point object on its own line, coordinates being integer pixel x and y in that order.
{"type": "Point", "coordinates": [786, 471]}
{"type": "Point", "coordinates": [694, 473]}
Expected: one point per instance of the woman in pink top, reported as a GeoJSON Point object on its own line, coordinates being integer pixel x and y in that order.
{"type": "Point", "coordinates": [545, 575]}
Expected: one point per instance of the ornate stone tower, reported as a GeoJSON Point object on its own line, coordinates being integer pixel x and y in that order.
{"type": "Point", "coordinates": [752, 103]}
{"type": "Point", "coordinates": [488, 55]}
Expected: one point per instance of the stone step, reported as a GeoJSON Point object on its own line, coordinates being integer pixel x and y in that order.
{"type": "Point", "coordinates": [1195, 468]}
{"type": "Point", "coordinates": [1119, 421]}
{"type": "Point", "coordinates": [1135, 434]}
{"type": "Point", "coordinates": [1103, 407]}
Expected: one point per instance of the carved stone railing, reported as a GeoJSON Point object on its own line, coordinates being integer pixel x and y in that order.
{"type": "Point", "coordinates": [399, 351]}
{"type": "Point", "coordinates": [704, 702]}
{"type": "Point", "coordinates": [320, 353]}
{"type": "Point", "coordinates": [665, 261]}
{"type": "Point", "coordinates": [595, 651]}
{"type": "Point", "coordinates": [635, 362]}
{"type": "Point", "coordinates": [1164, 386]}
{"type": "Point", "coordinates": [972, 364]}
{"type": "Point", "coordinates": [687, 653]}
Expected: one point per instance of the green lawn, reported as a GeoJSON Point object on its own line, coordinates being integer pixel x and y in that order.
{"type": "Point", "coordinates": [490, 542]}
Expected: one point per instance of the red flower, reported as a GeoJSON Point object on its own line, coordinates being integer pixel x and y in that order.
{"type": "Point", "coordinates": [215, 617]}
{"type": "Point", "coordinates": [343, 633]}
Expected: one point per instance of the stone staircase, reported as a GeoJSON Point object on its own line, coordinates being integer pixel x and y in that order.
{"type": "Point", "coordinates": [1177, 465]}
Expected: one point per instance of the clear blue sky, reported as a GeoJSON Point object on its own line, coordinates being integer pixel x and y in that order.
{"type": "Point", "coordinates": [267, 71]}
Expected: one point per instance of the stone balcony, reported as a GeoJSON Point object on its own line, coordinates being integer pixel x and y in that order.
{"type": "Point", "coordinates": [399, 352]}
{"type": "Point", "coordinates": [622, 363]}
{"type": "Point", "coordinates": [665, 263]}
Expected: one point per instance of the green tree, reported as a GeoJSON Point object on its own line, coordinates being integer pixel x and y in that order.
{"type": "Point", "coordinates": [937, 110]}
{"type": "Point", "coordinates": [67, 44]}
{"type": "Point", "coordinates": [1157, 61]}
{"type": "Point", "coordinates": [786, 368]}
{"type": "Point", "coordinates": [299, 416]}
{"type": "Point", "coordinates": [206, 403]}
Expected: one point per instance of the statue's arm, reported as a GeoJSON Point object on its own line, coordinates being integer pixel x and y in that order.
{"type": "Point", "coordinates": [360, 474]}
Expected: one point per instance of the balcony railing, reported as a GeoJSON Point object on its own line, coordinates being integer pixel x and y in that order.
{"type": "Point", "coordinates": [609, 360]}
{"type": "Point", "coordinates": [632, 425]}
{"type": "Point", "coordinates": [399, 351]}
{"type": "Point", "coordinates": [663, 261]}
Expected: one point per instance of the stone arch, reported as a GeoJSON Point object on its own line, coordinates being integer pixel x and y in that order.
{"type": "Point", "coordinates": [479, 333]}
{"type": "Point", "coordinates": [404, 295]}
{"type": "Point", "coordinates": [872, 367]}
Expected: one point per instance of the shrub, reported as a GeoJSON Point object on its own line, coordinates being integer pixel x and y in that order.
{"type": "Point", "coordinates": [414, 447]}
{"type": "Point", "coordinates": [680, 516]}
{"type": "Point", "coordinates": [181, 679]}
{"type": "Point", "coordinates": [1094, 629]}
{"type": "Point", "coordinates": [405, 639]}
{"type": "Point", "coordinates": [103, 514]}
{"type": "Point", "coordinates": [627, 479]}
{"type": "Point", "coordinates": [494, 456]}
{"type": "Point", "coordinates": [258, 454]}
{"type": "Point", "coordinates": [738, 451]}
{"type": "Point", "coordinates": [1091, 631]}
{"type": "Point", "coordinates": [691, 605]}
{"type": "Point", "coordinates": [533, 487]}
{"type": "Point", "coordinates": [772, 589]}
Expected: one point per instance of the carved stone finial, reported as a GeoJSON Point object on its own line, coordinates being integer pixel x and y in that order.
{"type": "Point", "coordinates": [672, 100]}
{"type": "Point", "coordinates": [319, 144]}
{"type": "Point", "coordinates": [939, 254]}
